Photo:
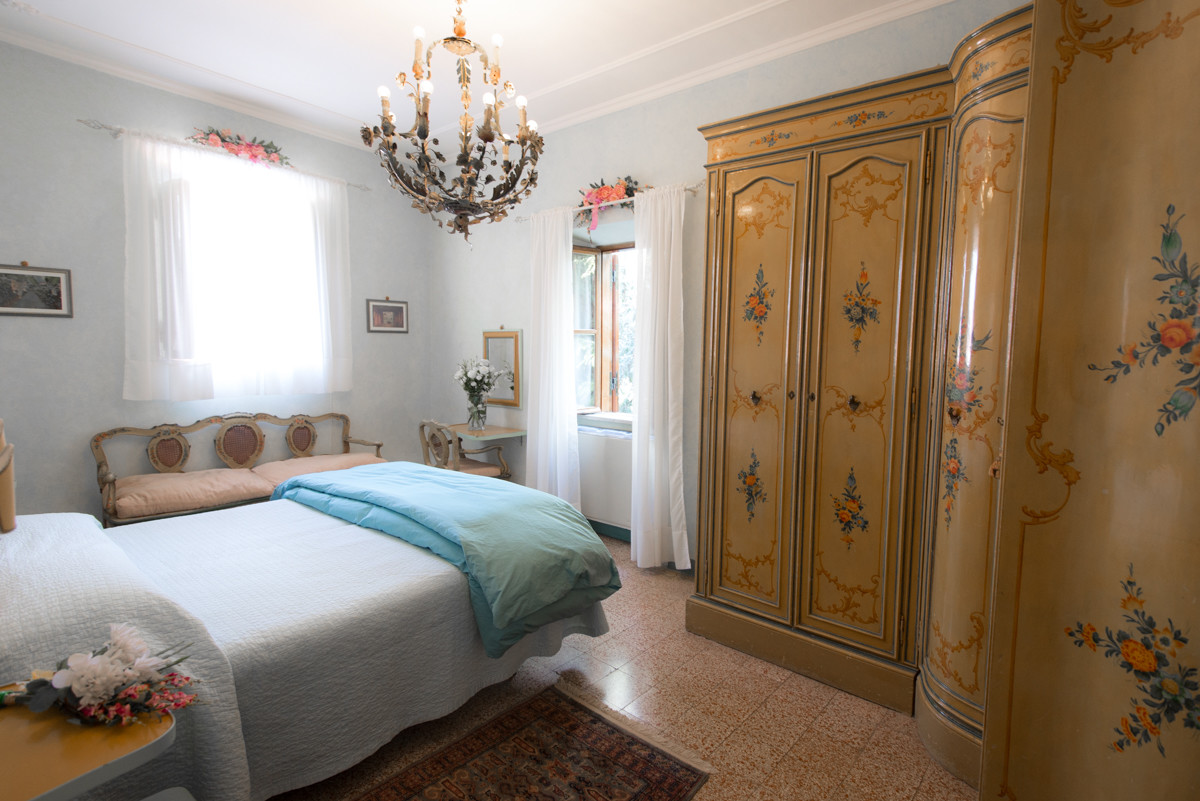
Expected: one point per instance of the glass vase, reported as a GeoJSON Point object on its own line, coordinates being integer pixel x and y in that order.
{"type": "Point", "coordinates": [476, 411]}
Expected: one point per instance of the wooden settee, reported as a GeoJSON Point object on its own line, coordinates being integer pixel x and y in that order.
{"type": "Point", "coordinates": [239, 442]}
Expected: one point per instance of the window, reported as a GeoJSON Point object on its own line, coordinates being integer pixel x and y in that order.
{"type": "Point", "coordinates": [605, 290]}
{"type": "Point", "coordinates": [236, 277]}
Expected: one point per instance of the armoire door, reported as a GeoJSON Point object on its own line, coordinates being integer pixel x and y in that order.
{"type": "Point", "coordinates": [753, 460]}
{"type": "Point", "coordinates": [981, 251]}
{"type": "Point", "coordinates": [866, 264]}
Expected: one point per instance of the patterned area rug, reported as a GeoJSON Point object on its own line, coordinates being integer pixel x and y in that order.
{"type": "Point", "coordinates": [549, 748]}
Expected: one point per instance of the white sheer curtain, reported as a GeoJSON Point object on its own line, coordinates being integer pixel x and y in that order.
{"type": "Point", "coordinates": [658, 525]}
{"type": "Point", "coordinates": [236, 279]}
{"type": "Point", "coordinates": [552, 459]}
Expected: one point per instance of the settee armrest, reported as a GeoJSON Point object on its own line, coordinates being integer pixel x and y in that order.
{"type": "Point", "coordinates": [348, 441]}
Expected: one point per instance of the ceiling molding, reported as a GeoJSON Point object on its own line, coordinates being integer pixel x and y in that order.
{"type": "Point", "coordinates": [659, 46]}
{"type": "Point", "coordinates": [68, 54]}
{"type": "Point", "coordinates": [839, 30]}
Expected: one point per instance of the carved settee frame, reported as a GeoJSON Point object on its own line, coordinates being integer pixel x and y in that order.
{"type": "Point", "coordinates": [239, 442]}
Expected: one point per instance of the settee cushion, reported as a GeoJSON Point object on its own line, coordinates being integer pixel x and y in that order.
{"type": "Point", "coordinates": [165, 493]}
{"type": "Point", "coordinates": [282, 470]}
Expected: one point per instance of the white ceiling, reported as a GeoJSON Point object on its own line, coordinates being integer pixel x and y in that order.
{"type": "Point", "coordinates": [314, 65]}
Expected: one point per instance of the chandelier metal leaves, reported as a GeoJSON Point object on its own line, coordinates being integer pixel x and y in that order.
{"type": "Point", "coordinates": [492, 170]}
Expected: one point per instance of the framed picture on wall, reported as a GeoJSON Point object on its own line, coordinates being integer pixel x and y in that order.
{"type": "Point", "coordinates": [35, 291]}
{"type": "Point", "coordinates": [387, 316]}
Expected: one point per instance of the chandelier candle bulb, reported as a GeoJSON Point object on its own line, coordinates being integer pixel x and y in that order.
{"type": "Point", "coordinates": [418, 68]}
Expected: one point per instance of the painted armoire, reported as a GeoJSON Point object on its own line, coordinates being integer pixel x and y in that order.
{"type": "Point", "coordinates": [953, 342]}
{"type": "Point", "coordinates": [832, 371]}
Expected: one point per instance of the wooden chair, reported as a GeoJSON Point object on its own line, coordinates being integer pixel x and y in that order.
{"type": "Point", "coordinates": [7, 485]}
{"type": "Point", "coordinates": [441, 447]}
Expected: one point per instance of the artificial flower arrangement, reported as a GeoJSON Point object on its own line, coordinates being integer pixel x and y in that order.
{"type": "Point", "coordinates": [254, 149]}
{"type": "Point", "coordinates": [607, 193]}
{"type": "Point", "coordinates": [112, 685]}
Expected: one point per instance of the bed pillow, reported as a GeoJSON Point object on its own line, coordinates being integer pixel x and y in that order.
{"type": "Point", "coordinates": [164, 493]}
{"type": "Point", "coordinates": [282, 470]}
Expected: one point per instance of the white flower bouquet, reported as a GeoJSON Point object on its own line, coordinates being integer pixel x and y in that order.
{"type": "Point", "coordinates": [478, 376]}
{"type": "Point", "coordinates": [112, 685]}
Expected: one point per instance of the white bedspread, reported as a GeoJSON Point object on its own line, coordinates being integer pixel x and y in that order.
{"type": "Point", "coordinates": [62, 582]}
{"type": "Point", "coordinates": [339, 637]}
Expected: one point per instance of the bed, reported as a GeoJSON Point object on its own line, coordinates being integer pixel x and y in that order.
{"type": "Point", "coordinates": [316, 639]}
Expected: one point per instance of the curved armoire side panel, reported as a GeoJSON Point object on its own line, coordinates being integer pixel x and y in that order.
{"type": "Point", "coordinates": [978, 255]}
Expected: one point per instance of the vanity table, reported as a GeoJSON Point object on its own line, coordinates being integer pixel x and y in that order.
{"type": "Point", "coordinates": [487, 433]}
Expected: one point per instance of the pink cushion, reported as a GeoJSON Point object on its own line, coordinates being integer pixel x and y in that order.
{"type": "Point", "coordinates": [478, 468]}
{"type": "Point", "coordinates": [164, 493]}
{"type": "Point", "coordinates": [278, 472]}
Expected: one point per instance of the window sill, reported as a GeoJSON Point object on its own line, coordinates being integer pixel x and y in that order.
{"type": "Point", "coordinates": [610, 420]}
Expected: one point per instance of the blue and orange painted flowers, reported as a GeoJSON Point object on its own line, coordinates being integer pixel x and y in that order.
{"type": "Point", "coordinates": [758, 304]}
{"type": "Point", "coordinates": [860, 118]}
{"type": "Point", "coordinates": [859, 308]}
{"type": "Point", "coordinates": [954, 473]}
{"type": "Point", "coordinates": [1176, 332]}
{"type": "Point", "coordinates": [848, 510]}
{"type": "Point", "coordinates": [749, 485]}
{"type": "Point", "coordinates": [1166, 688]}
{"type": "Point", "coordinates": [961, 391]}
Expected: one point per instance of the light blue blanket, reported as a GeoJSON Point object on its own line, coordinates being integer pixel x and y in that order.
{"type": "Point", "coordinates": [530, 558]}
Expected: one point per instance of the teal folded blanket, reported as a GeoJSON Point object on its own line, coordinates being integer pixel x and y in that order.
{"type": "Point", "coordinates": [530, 558]}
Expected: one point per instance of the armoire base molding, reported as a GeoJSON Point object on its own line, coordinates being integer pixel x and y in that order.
{"type": "Point", "coordinates": [882, 682]}
{"type": "Point", "coordinates": [953, 747]}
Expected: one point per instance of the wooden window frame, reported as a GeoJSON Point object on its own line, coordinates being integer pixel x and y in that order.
{"type": "Point", "coordinates": [607, 332]}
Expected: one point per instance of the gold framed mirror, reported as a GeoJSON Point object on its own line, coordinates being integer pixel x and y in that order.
{"type": "Point", "coordinates": [503, 349]}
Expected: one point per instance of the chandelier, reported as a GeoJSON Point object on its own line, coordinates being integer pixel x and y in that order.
{"type": "Point", "coordinates": [492, 170]}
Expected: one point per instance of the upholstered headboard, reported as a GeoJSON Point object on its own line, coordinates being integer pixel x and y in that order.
{"type": "Point", "coordinates": [8, 487]}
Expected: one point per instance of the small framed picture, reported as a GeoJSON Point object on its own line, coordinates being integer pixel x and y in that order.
{"type": "Point", "coordinates": [387, 316]}
{"type": "Point", "coordinates": [35, 291]}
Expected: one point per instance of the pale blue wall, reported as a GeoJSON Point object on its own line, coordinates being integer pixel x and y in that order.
{"type": "Point", "coordinates": [658, 143]}
{"type": "Point", "coordinates": [61, 206]}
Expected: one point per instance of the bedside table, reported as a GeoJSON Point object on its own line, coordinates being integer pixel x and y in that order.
{"type": "Point", "coordinates": [48, 758]}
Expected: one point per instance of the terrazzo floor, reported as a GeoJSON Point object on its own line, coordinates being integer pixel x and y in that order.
{"type": "Point", "coordinates": [769, 734]}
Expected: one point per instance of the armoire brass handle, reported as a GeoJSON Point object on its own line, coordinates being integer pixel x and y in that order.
{"type": "Point", "coordinates": [791, 394]}
{"type": "Point", "coordinates": [755, 398]}
{"type": "Point", "coordinates": [955, 414]}
{"type": "Point", "coordinates": [853, 403]}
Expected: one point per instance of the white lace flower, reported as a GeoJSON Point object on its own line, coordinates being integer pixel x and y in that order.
{"type": "Point", "coordinates": [125, 644]}
{"type": "Point", "coordinates": [145, 668]}
{"type": "Point", "coordinates": [93, 679]}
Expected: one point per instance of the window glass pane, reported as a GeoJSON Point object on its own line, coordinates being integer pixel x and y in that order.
{"type": "Point", "coordinates": [585, 369]}
{"type": "Point", "coordinates": [626, 295]}
{"type": "Point", "coordinates": [584, 283]}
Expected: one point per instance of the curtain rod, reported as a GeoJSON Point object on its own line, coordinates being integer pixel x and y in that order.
{"type": "Point", "coordinates": [693, 188]}
{"type": "Point", "coordinates": [117, 132]}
